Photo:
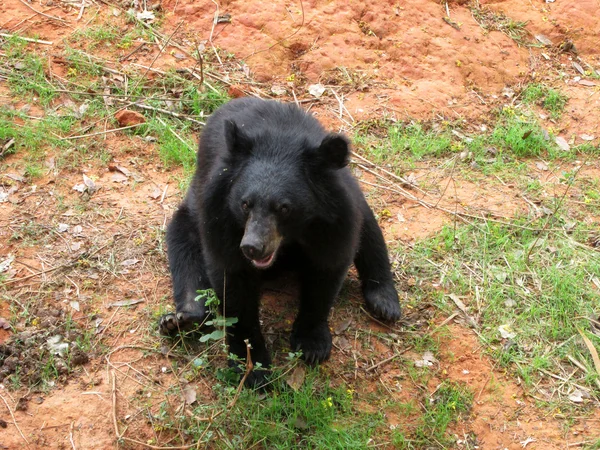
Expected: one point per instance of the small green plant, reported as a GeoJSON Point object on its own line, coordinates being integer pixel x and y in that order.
{"type": "Point", "coordinates": [519, 134]}
{"type": "Point", "coordinates": [219, 322]}
{"type": "Point", "coordinates": [26, 77]}
{"type": "Point", "coordinates": [548, 98]}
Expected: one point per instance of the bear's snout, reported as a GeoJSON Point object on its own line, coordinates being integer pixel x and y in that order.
{"type": "Point", "coordinates": [253, 251]}
{"type": "Point", "coordinates": [261, 241]}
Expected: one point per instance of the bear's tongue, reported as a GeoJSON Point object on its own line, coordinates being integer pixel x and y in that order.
{"type": "Point", "coordinates": [263, 263]}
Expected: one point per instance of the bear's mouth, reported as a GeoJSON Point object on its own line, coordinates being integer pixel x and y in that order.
{"type": "Point", "coordinates": [265, 262]}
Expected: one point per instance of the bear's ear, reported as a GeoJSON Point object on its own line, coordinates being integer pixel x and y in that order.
{"type": "Point", "coordinates": [334, 151]}
{"type": "Point", "coordinates": [237, 142]}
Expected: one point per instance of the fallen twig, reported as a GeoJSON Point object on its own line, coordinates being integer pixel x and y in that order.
{"type": "Point", "coordinates": [58, 19]}
{"type": "Point", "coordinates": [249, 367]}
{"type": "Point", "coordinates": [71, 436]}
{"type": "Point", "coordinates": [114, 130]}
{"type": "Point", "coordinates": [166, 111]}
{"type": "Point", "coordinates": [394, 356]}
{"type": "Point", "coordinates": [37, 41]}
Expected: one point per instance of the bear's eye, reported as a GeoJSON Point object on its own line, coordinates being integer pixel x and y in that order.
{"type": "Point", "coordinates": [245, 206]}
{"type": "Point", "coordinates": [284, 209]}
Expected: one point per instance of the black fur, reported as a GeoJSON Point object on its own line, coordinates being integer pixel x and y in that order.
{"type": "Point", "coordinates": [271, 181]}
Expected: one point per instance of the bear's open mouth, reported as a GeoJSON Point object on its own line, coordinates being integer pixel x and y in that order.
{"type": "Point", "coordinates": [265, 262]}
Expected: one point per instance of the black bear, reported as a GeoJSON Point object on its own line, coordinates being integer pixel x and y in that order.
{"type": "Point", "coordinates": [271, 184]}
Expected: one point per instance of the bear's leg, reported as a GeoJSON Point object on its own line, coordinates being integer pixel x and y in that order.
{"type": "Point", "coordinates": [188, 272]}
{"type": "Point", "coordinates": [310, 332]}
{"type": "Point", "coordinates": [241, 299]}
{"type": "Point", "coordinates": [373, 268]}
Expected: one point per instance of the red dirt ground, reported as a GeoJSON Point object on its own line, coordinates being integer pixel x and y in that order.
{"type": "Point", "coordinates": [393, 59]}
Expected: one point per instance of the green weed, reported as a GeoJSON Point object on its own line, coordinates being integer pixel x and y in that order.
{"type": "Point", "coordinates": [316, 416]}
{"type": "Point", "coordinates": [449, 403]}
{"type": "Point", "coordinates": [548, 98]}
{"type": "Point", "coordinates": [519, 134]}
{"type": "Point", "coordinates": [25, 74]}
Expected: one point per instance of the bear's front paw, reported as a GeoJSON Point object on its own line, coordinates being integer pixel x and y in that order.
{"type": "Point", "coordinates": [172, 323]}
{"type": "Point", "coordinates": [314, 341]}
{"type": "Point", "coordinates": [383, 302]}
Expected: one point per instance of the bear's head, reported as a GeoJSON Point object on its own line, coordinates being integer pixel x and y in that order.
{"type": "Point", "coordinates": [281, 183]}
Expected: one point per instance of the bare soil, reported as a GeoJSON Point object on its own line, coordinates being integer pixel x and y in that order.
{"type": "Point", "coordinates": [380, 59]}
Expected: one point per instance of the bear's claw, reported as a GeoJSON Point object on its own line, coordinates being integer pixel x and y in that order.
{"type": "Point", "coordinates": [171, 323]}
{"type": "Point", "coordinates": [315, 343]}
{"type": "Point", "coordinates": [383, 302]}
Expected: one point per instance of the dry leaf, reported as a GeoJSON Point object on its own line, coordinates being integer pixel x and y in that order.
{"type": "Point", "coordinates": [301, 423]}
{"type": "Point", "coordinates": [156, 193]}
{"type": "Point", "coordinates": [127, 118]}
{"type": "Point", "coordinates": [15, 177]}
{"type": "Point", "coordinates": [343, 326]}
{"type": "Point", "coordinates": [278, 89]}
{"type": "Point", "coordinates": [592, 350]}
{"type": "Point", "coordinates": [189, 394]}
{"type": "Point", "coordinates": [578, 68]}
{"type": "Point", "coordinates": [146, 15]}
{"type": "Point", "coordinates": [576, 396]}
{"type": "Point", "coordinates": [118, 178]}
{"type": "Point", "coordinates": [457, 301]}
{"type": "Point", "coordinates": [296, 378]}
{"type": "Point", "coordinates": [428, 360]}
{"type": "Point", "coordinates": [543, 39]}
{"type": "Point", "coordinates": [130, 262]}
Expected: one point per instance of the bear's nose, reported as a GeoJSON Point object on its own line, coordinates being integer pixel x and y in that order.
{"type": "Point", "coordinates": [253, 251]}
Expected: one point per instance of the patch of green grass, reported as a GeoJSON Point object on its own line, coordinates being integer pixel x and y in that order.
{"type": "Point", "coordinates": [548, 98]}
{"type": "Point", "coordinates": [96, 34]}
{"type": "Point", "coordinates": [25, 73]}
{"type": "Point", "coordinates": [448, 404]}
{"type": "Point", "coordinates": [176, 143]}
{"type": "Point", "coordinates": [81, 63]}
{"type": "Point", "coordinates": [33, 136]}
{"type": "Point", "coordinates": [402, 144]}
{"type": "Point", "coordinates": [535, 284]}
{"type": "Point", "coordinates": [520, 134]}
{"type": "Point", "coordinates": [34, 170]}
{"type": "Point", "coordinates": [316, 416]}
{"type": "Point", "coordinates": [418, 141]}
